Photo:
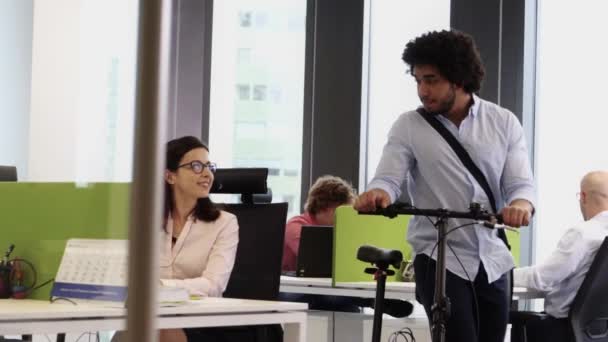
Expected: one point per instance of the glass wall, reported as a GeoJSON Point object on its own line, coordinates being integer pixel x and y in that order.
{"type": "Point", "coordinates": [16, 19]}
{"type": "Point", "coordinates": [82, 91]}
{"type": "Point", "coordinates": [257, 88]}
{"type": "Point", "coordinates": [67, 124]}
{"type": "Point", "coordinates": [570, 119]}
{"type": "Point", "coordinates": [389, 90]}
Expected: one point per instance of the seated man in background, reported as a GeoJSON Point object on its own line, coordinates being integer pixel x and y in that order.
{"type": "Point", "coordinates": [325, 195]}
{"type": "Point", "coordinates": [563, 272]}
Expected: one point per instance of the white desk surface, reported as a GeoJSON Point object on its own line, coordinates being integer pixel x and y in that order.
{"type": "Point", "coordinates": [394, 290]}
{"type": "Point", "coordinates": [303, 281]}
{"type": "Point", "coordinates": [37, 316]}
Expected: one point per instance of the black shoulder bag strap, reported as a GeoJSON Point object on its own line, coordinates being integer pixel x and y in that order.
{"type": "Point", "coordinates": [464, 157]}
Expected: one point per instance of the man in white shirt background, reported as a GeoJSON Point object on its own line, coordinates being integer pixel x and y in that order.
{"type": "Point", "coordinates": [563, 272]}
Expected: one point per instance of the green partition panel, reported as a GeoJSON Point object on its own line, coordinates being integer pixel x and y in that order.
{"type": "Point", "coordinates": [39, 218]}
{"type": "Point", "coordinates": [353, 230]}
{"type": "Point", "coordinates": [513, 238]}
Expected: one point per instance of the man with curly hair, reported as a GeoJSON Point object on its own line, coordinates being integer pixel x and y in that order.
{"type": "Point", "coordinates": [448, 72]}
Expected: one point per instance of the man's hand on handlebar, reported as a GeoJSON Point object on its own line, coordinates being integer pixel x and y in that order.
{"type": "Point", "coordinates": [518, 213]}
{"type": "Point", "coordinates": [371, 200]}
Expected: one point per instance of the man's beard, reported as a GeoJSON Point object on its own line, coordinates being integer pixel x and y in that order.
{"type": "Point", "coordinates": [445, 105]}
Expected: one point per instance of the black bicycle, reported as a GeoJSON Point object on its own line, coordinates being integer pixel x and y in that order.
{"type": "Point", "coordinates": [383, 258]}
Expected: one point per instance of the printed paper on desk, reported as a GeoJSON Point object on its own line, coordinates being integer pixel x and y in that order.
{"type": "Point", "coordinates": [93, 269]}
{"type": "Point", "coordinates": [170, 296]}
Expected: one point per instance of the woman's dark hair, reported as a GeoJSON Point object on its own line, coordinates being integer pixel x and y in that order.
{"type": "Point", "coordinates": [205, 209]}
{"type": "Point", "coordinates": [454, 53]}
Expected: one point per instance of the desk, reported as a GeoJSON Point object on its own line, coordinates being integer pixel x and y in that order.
{"type": "Point", "coordinates": [37, 317]}
{"type": "Point", "coordinates": [346, 328]}
{"type": "Point", "coordinates": [394, 290]}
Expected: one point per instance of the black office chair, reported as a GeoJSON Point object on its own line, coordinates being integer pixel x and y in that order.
{"type": "Point", "coordinates": [588, 317]}
{"type": "Point", "coordinates": [257, 268]}
{"type": "Point", "coordinates": [8, 173]}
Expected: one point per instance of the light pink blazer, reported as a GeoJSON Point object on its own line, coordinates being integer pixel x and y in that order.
{"type": "Point", "coordinates": [203, 256]}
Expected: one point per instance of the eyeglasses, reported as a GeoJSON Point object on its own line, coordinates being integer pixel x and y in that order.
{"type": "Point", "coordinates": [198, 166]}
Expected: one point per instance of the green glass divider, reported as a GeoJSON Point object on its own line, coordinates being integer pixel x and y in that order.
{"type": "Point", "coordinates": [40, 217]}
{"type": "Point", "coordinates": [513, 238]}
{"type": "Point", "coordinates": [353, 230]}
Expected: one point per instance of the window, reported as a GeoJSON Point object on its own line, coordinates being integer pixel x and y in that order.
{"type": "Point", "coordinates": [243, 91]}
{"type": "Point", "coordinates": [261, 20]}
{"type": "Point", "coordinates": [388, 88]}
{"type": "Point", "coordinates": [243, 56]}
{"type": "Point", "coordinates": [570, 118]}
{"type": "Point", "coordinates": [71, 124]}
{"type": "Point", "coordinates": [250, 130]}
{"type": "Point", "coordinates": [289, 199]}
{"type": "Point", "coordinates": [290, 173]}
{"type": "Point", "coordinates": [296, 22]}
{"type": "Point", "coordinates": [75, 115]}
{"type": "Point", "coordinates": [245, 18]}
{"type": "Point", "coordinates": [273, 84]}
{"type": "Point", "coordinates": [275, 94]}
{"type": "Point", "coordinates": [259, 92]}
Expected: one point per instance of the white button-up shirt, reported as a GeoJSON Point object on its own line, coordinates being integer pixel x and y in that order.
{"type": "Point", "coordinates": [494, 139]}
{"type": "Point", "coordinates": [563, 272]}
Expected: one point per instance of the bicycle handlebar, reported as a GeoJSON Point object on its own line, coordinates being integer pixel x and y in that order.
{"type": "Point", "coordinates": [476, 212]}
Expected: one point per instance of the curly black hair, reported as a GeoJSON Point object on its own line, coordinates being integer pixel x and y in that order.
{"type": "Point", "coordinates": [454, 53]}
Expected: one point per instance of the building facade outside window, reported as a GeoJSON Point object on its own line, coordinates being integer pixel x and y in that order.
{"type": "Point", "coordinates": [388, 89]}
{"type": "Point", "coordinates": [258, 49]}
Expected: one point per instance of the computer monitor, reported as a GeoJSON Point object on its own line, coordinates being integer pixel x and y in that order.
{"type": "Point", "coordinates": [8, 173]}
{"type": "Point", "coordinates": [315, 252]}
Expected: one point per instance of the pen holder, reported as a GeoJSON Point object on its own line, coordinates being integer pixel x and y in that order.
{"type": "Point", "coordinates": [5, 281]}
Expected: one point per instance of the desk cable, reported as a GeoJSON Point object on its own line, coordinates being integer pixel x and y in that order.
{"type": "Point", "coordinates": [405, 333]}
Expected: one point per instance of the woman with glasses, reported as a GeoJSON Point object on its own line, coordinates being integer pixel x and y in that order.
{"type": "Point", "coordinates": [199, 241]}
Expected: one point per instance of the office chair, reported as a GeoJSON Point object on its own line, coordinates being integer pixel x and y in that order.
{"type": "Point", "coordinates": [257, 268]}
{"type": "Point", "coordinates": [588, 317]}
{"type": "Point", "coordinates": [8, 173]}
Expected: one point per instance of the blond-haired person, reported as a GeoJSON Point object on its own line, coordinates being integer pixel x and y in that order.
{"type": "Point", "coordinates": [325, 195]}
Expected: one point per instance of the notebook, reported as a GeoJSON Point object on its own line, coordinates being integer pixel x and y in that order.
{"type": "Point", "coordinates": [315, 252]}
